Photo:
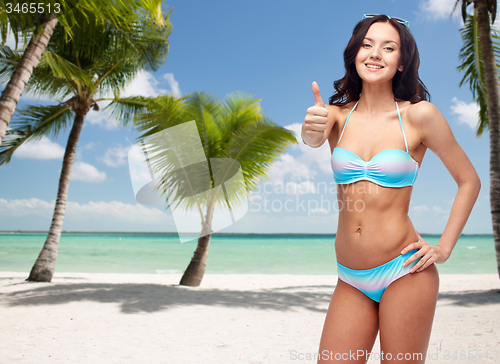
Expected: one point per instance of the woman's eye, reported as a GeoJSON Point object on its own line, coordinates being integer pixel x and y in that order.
{"type": "Point", "coordinates": [366, 45]}
{"type": "Point", "coordinates": [389, 48]}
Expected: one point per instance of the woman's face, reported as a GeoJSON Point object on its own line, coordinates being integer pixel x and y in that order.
{"type": "Point", "coordinates": [378, 59]}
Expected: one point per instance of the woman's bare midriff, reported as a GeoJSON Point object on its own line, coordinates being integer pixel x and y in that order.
{"type": "Point", "coordinates": [373, 224]}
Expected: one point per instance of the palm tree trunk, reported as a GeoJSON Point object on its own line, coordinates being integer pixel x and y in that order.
{"type": "Point", "coordinates": [15, 87]}
{"type": "Point", "coordinates": [196, 268]}
{"type": "Point", "coordinates": [493, 100]}
{"type": "Point", "coordinates": [44, 267]}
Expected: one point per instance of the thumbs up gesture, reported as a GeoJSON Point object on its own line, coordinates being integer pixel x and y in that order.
{"type": "Point", "coordinates": [315, 122]}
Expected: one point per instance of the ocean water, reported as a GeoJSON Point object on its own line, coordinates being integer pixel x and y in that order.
{"type": "Point", "coordinates": [236, 254]}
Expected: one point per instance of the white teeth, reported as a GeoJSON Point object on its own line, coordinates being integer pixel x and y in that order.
{"type": "Point", "coordinates": [373, 66]}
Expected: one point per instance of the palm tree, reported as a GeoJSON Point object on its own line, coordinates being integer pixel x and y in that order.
{"type": "Point", "coordinates": [485, 88]}
{"type": "Point", "coordinates": [100, 59]}
{"type": "Point", "coordinates": [40, 26]}
{"type": "Point", "coordinates": [233, 133]}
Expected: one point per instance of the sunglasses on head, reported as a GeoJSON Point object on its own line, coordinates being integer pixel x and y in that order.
{"type": "Point", "coordinates": [406, 23]}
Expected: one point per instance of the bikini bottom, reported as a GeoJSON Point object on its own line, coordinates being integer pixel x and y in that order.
{"type": "Point", "coordinates": [373, 282]}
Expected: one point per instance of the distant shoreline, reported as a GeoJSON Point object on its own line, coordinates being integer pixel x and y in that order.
{"type": "Point", "coordinates": [194, 233]}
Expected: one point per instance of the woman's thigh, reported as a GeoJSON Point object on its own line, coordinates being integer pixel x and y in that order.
{"type": "Point", "coordinates": [406, 313]}
{"type": "Point", "coordinates": [351, 326]}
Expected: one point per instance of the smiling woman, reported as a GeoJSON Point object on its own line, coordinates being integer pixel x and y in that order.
{"type": "Point", "coordinates": [388, 281]}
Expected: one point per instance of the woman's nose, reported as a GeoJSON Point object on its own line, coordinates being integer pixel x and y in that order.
{"type": "Point", "coordinates": [375, 53]}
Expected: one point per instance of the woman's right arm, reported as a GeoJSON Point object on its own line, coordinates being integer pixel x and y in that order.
{"type": "Point", "coordinates": [318, 121]}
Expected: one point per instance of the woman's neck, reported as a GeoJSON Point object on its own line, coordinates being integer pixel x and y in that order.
{"type": "Point", "coordinates": [376, 97]}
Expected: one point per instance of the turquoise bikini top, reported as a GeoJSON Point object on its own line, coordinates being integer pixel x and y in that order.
{"type": "Point", "coordinates": [389, 168]}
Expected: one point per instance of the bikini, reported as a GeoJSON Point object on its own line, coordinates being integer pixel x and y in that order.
{"type": "Point", "coordinates": [389, 168]}
{"type": "Point", "coordinates": [393, 168]}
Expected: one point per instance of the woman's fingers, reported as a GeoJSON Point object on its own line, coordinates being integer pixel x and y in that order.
{"type": "Point", "coordinates": [423, 263]}
{"type": "Point", "coordinates": [318, 101]}
{"type": "Point", "coordinates": [411, 259]}
{"type": "Point", "coordinates": [317, 110]}
{"type": "Point", "coordinates": [410, 247]}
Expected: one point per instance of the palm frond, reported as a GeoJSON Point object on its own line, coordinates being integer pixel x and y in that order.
{"type": "Point", "coordinates": [236, 110]}
{"type": "Point", "coordinates": [121, 13]}
{"type": "Point", "coordinates": [471, 65]}
{"type": "Point", "coordinates": [203, 108]}
{"type": "Point", "coordinates": [163, 112]}
{"type": "Point", "coordinates": [21, 24]}
{"type": "Point", "coordinates": [115, 75]}
{"type": "Point", "coordinates": [31, 124]}
{"type": "Point", "coordinates": [43, 83]}
{"type": "Point", "coordinates": [65, 69]}
{"type": "Point", "coordinates": [124, 110]}
{"type": "Point", "coordinates": [255, 146]}
{"type": "Point", "coordinates": [146, 39]}
{"type": "Point", "coordinates": [9, 59]}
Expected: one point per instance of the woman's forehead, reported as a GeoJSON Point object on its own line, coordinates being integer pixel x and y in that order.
{"type": "Point", "coordinates": [382, 31]}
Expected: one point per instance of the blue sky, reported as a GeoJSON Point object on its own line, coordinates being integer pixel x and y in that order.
{"type": "Point", "coordinates": [272, 50]}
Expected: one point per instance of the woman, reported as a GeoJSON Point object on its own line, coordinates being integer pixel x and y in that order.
{"type": "Point", "coordinates": [387, 277]}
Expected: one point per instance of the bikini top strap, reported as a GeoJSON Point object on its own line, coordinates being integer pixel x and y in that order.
{"type": "Point", "coordinates": [346, 120]}
{"type": "Point", "coordinates": [402, 128]}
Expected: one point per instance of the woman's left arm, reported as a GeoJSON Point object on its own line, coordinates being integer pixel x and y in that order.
{"type": "Point", "coordinates": [436, 134]}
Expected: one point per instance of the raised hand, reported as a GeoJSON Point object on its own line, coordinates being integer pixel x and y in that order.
{"type": "Point", "coordinates": [316, 119]}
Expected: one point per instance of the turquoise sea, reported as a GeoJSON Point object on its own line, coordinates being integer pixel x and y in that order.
{"type": "Point", "coordinates": [236, 254]}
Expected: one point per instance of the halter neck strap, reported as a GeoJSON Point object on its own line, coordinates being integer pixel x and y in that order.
{"type": "Point", "coordinates": [346, 120]}
{"type": "Point", "coordinates": [402, 128]}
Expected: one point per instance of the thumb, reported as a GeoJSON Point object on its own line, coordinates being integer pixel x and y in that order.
{"type": "Point", "coordinates": [318, 101]}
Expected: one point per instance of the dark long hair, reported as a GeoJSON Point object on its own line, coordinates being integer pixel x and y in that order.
{"type": "Point", "coordinates": [406, 85]}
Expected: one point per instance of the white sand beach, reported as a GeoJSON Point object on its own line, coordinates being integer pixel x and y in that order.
{"type": "Point", "coordinates": [143, 318]}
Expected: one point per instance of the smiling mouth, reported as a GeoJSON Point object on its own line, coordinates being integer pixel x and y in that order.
{"type": "Point", "coordinates": [374, 66]}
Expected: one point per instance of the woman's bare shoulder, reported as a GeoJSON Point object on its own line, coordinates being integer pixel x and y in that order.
{"type": "Point", "coordinates": [431, 125]}
{"type": "Point", "coordinates": [422, 112]}
{"type": "Point", "coordinates": [337, 113]}
{"type": "Point", "coordinates": [332, 108]}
